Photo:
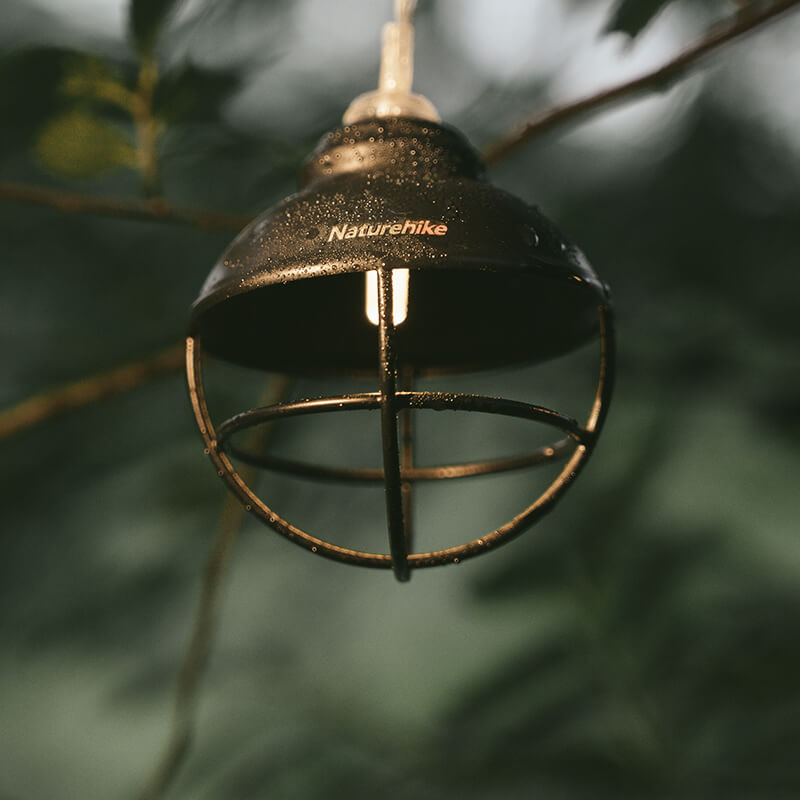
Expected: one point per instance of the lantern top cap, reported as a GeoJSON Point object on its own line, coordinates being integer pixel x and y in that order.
{"type": "Point", "coordinates": [393, 97]}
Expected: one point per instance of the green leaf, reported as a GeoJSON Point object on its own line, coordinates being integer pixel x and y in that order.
{"type": "Point", "coordinates": [633, 16]}
{"type": "Point", "coordinates": [91, 77]}
{"type": "Point", "coordinates": [192, 94]}
{"type": "Point", "coordinates": [79, 145]}
{"type": "Point", "coordinates": [145, 21]}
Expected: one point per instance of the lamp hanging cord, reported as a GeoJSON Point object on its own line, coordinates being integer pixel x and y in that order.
{"type": "Point", "coordinates": [397, 52]}
{"type": "Point", "coordinates": [394, 97]}
{"type": "Point", "coordinates": [404, 10]}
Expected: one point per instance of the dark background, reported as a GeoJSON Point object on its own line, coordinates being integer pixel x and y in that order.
{"type": "Point", "coordinates": [642, 641]}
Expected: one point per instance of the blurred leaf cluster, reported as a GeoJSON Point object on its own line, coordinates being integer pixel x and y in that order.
{"type": "Point", "coordinates": [84, 110]}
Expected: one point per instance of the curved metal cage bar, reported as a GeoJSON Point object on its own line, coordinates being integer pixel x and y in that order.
{"type": "Point", "coordinates": [438, 401]}
{"type": "Point", "coordinates": [324, 472]}
{"type": "Point", "coordinates": [396, 476]}
{"type": "Point", "coordinates": [405, 400]}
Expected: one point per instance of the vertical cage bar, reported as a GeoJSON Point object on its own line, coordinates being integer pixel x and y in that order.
{"type": "Point", "coordinates": [407, 457]}
{"type": "Point", "coordinates": [398, 540]}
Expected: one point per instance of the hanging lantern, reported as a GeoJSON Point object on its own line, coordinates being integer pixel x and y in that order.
{"type": "Point", "coordinates": [395, 259]}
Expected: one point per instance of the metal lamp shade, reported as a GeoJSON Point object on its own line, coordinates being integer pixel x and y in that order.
{"type": "Point", "coordinates": [491, 283]}
{"type": "Point", "coordinates": [497, 285]}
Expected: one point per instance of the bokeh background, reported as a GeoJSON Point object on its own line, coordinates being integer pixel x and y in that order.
{"type": "Point", "coordinates": [643, 641]}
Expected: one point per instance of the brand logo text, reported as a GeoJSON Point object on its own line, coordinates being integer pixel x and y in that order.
{"type": "Point", "coordinates": [420, 227]}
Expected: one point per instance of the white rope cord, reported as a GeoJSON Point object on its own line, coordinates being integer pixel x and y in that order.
{"type": "Point", "coordinates": [397, 52]}
{"type": "Point", "coordinates": [394, 97]}
{"type": "Point", "coordinates": [404, 10]}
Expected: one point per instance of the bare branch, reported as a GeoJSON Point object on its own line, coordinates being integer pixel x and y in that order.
{"type": "Point", "coordinates": [48, 404]}
{"type": "Point", "coordinates": [197, 651]}
{"type": "Point", "coordinates": [196, 655]}
{"type": "Point", "coordinates": [146, 126]}
{"type": "Point", "coordinates": [718, 36]}
{"type": "Point", "coordinates": [155, 210]}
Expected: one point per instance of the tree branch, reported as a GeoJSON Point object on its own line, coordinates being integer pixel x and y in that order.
{"type": "Point", "coordinates": [48, 404]}
{"type": "Point", "coordinates": [196, 655]}
{"type": "Point", "coordinates": [146, 126]}
{"type": "Point", "coordinates": [197, 651]}
{"type": "Point", "coordinates": [722, 33]}
{"type": "Point", "coordinates": [155, 210]}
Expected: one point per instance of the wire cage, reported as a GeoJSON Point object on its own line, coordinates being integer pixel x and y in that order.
{"type": "Point", "coordinates": [486, 281]}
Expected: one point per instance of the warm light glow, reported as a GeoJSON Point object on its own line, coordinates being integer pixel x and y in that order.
{"type": "Point", "coordinates": [399, 296]}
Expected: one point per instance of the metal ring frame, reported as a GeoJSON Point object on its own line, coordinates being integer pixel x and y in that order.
{"type": "Point", "coordinates": [368, 475]}
{"type": "Point", "coordinates": [398, 472]}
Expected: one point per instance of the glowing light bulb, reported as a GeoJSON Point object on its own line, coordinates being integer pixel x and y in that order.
{"type": "Point", "coordinates": [399, 296]}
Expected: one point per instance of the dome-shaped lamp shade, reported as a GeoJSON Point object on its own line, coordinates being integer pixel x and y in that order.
{"type": "Point", "coordinates": [491, 281]}
{"type": "Point", "coordinates": [460, 276]}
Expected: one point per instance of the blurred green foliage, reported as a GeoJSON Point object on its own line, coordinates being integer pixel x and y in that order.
{"type": "Point", "coordinates": [642, 642]}
{"type": "Point", "coordinates": [78, 145]}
